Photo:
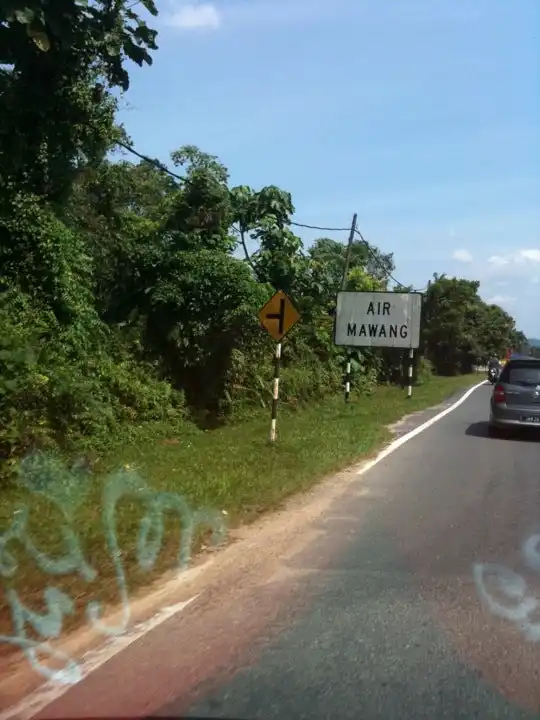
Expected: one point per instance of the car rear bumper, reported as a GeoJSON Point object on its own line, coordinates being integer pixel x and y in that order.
{"type": "Point", "coordinates": [514, 418]}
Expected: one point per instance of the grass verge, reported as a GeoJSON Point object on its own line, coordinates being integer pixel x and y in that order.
{"type": "Point", "coordinates": [231, 469]}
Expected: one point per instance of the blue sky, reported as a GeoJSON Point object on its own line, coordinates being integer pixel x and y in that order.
{"type": "Point", "coordinates": [423, 116]}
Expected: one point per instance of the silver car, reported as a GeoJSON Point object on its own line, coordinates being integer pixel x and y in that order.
{"type": "Point", "coordinates": [515, 401]}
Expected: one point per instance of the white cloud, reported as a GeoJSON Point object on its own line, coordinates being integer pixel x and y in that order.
{"type": "Point", "coordinates": [533, 254]}
{"type": "Point", "coordinates": [501, 300]}
{"type": "Point", "coordinates": [516, 258]}
{"type": "Point", "coordinates": [497, 260]}
{"type": "Point", "coordinates": [251, 14]}
{"type": "Point", "coordinates": [508, 280]}
{"type": "Point", "coordinates": [463, 256]}
{"type": "Point", "coordinates": [194, 16]}
{"type": "Point", "coordinates": [374, 18]}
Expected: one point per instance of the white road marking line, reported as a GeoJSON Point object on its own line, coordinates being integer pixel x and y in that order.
{"type": "Point", "coordinates": [413, 433]}
{"type": "Point", "coordinates": [49, 692]}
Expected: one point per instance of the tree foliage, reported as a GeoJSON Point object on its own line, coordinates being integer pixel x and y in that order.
{"type": "Point", "coordinates": [461, 330]}
{"type": "Point", "coordinates": [129, 294]}
{"type": "Point", "coordinates": [58, 64]}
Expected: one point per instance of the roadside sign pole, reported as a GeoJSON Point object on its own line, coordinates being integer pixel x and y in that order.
{"type": "Point", "coordinates": [348, 377]}
{"type": "Point", "coordinates": [344, 287]}
{"type": "Point", "coordinates": [275, 394]}
{"type": "Point", "coordinates": [411, 365]}
{"type": "Point", "coordinates": [277, 317]}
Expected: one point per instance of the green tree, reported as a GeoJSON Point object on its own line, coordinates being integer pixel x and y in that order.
{"type": "Point", "coordinates": [264, 217]}
{"type": "Point", "coordinates": [330, 255]}
{"type": "Point", "coordinates": [199, 214]}
{"type": "Point", "coordinates": [59, 62]}
{"type": "Point", "coordinates": [460, 329]}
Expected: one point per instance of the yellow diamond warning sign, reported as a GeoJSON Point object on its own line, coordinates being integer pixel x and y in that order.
{"type": "Point", "coordinates": [279, 315]}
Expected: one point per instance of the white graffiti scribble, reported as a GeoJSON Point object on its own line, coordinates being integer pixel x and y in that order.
{"type": "Point", "coordinates": [507, 594]}
{"type": "Point", "coordinates": [66, 488]}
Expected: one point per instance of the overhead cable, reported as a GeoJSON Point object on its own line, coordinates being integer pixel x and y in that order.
{"type": "Point", "coordinates": [160, 166]}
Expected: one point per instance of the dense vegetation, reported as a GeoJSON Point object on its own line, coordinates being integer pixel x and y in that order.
{"type": "Point", "coordinates": [533, 347]}
{"type": "Point", "coordinates": [127, 292]}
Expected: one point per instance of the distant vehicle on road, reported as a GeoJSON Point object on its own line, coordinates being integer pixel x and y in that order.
{"type": "Point", "coordinates": [515, 401]}
{"type": "Point", "coordinates": [494, 368]}
{"type": "Point", "coordinates": [493, 374]}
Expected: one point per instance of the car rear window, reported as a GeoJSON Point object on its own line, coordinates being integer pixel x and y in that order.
{"type": "Point", "coordinates": [522, 373]}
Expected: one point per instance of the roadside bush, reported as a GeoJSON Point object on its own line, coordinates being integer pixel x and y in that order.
{"type": "Point", "coordinates": [23, 385]}
{"type": "Point", "coordinates": [308, 381]}
{"type": "Point", "coordinates": [44, 258]}
{"type": "Point", "coordinates": [54, 393]}
{"type": "Point", "coordinates": [424, 371]}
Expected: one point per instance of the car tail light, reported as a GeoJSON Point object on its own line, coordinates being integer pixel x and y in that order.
{"type": "Point", "coordinates": [498, 394]}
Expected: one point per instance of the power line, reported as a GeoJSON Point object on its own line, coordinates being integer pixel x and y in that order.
{"type": "Point", "coordinates": [160, 166]}
{"type": "Point", "coordinates": [374, 257]}
{"type": "Point", "coordinates": [156, 163]}
{"type": "Point", "coordinates": [318, 227]}
{"type": "Point", "coordinates": [367, 245]}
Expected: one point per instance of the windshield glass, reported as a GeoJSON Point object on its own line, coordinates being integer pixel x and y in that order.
{"type": "Point", "coordinates": [253, 461]}
{"type": "Point", "coordinates": [524, 374]}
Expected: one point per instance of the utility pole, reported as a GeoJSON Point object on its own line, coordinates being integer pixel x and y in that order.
{"type": "Point", "coordinates": [349, 252]}
{"type": "Point", "coordinates": [344, 287]}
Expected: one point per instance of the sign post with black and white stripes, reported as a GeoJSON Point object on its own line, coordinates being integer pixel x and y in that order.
{"type": "Point", "coordinates": [277, 317]}
{"type": "Point", "coordinates": [343, 288]}
{"type": "Point", "coordinates": [380, 319]}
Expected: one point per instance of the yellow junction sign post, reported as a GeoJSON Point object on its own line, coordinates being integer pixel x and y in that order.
{"type": "Point", "coordinates": [277, 317]}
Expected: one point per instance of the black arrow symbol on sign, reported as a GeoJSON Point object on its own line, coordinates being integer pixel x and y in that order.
{"type": "Point", "coordinates": [279, 315]}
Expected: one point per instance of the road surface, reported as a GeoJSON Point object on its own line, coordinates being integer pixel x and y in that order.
{"type": "Point", "coordinates": [414, 596]}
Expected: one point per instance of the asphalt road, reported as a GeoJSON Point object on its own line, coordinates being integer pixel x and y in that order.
{"type": "Point", "coordinates": [390, 611]}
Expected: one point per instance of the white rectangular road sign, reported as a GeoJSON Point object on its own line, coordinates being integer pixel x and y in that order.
{"type": "Point", "coordinates": [378, 319]}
